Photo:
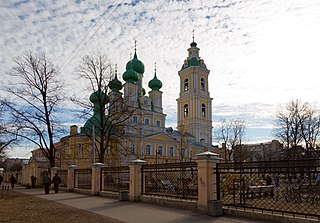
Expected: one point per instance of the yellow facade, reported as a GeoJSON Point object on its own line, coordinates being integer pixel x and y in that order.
{"type": "Point", "coordinates": [194, 102]}
{"type": "Point", "coordinates": [146, 135]}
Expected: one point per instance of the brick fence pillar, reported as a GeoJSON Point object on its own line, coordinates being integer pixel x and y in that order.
{"type": "Point", "coordinates": [95, 178]}
{"type": "Point", "coordinates": [135, 179]}
{"type": "Point", "coordinates": [70, 182]}
{"type": "Point", "coordinates": [207, 184]}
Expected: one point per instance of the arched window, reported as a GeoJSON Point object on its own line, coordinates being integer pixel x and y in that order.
{"type": "Point", "coordinates": [186, 84]}
{"type": "Point", "coordinates": [186, 110]}
{"type": "Point", "coordinates": [203, 110]}
{"type": "Point", "coordinates": [203, 84]}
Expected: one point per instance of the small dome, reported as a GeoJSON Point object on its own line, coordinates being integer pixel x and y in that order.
{"type": "Point", "coordinates": [115, 85]}
{"type": "Point", "coordinates": [193, 44]}
{"type": "Point", "coordinates": [193, 62]}
{"type": "Point", "coordinates": [97, 96]}
{"type": "Point", "coordinates": [135, 64]}
{"type": "Point", "coordinates": [155, 84]}
{"type": "Point", "coordinates": [130, 76]}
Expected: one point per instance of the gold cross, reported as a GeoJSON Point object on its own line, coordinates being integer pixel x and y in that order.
{"type": "Point", "coordinates": [193, 35]}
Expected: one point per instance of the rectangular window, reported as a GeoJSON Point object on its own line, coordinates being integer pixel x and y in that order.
{"type": "Point", "coordinates": [147, 121]}
{"type": "Point", "coordinates": [92, 149]}
{"type": "Point", "coordinates": [80, 149]}
{"type": "Point", "coordinates": [132, 148]}
{"type": "Point", "coordinates": [158, 123]}
{"type": "Point", "coordinates": [148, 150]}
{"type": "Point", "coordinates": [171, 151]}
{"type": "Point", "coordinates": [160, 150]}
{"type": "Point", "coordinates": [183, 152]}
{"type": "Point", "coordinates": [135, 119]}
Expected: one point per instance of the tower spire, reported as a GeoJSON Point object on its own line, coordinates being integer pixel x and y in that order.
{"type": "Point", "coordinates": [116, 71]}
{"type": "Point", "coordinates": [193, 35]}
{"type": "Point", "coordinates": [135, 50]}
{"type": "Point", "coordinates": [193, 44]}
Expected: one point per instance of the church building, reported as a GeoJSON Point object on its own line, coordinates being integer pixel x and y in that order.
{"type": "Point", "coordinates": [145, 133]}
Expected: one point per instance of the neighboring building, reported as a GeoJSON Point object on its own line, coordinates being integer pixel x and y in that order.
{"type": "Point", "coordinates": [35, 166]}
{"type": "Point", "coordinates": [146, 135]}
{"type": "Point", "coordinates": [258, 152]}
{"type": "Point", "coordinates": [13, 164]}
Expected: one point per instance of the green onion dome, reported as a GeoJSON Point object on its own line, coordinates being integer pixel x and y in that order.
{"type": "Point", "coordinates": [130, 76]}
{"type": "Point", "coordinates": [115, 85]}
{"type": "Point", "coordinates": [99, 99]}
{"type": "Point", "coordinates": [155, 84]}
{"type": "Point", "coordinates": [135, 64]}
{"type": "Point", "coordinates": [97, 96]}
{"type": "Point", "coordinates": [193, 44]}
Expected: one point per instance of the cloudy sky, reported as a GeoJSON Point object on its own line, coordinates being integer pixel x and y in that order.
{"type": "Point", "coordinates": [261, 53]}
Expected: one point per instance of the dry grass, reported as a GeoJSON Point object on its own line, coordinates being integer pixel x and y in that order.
{"type": "Point", "coordinates": [19, 207]}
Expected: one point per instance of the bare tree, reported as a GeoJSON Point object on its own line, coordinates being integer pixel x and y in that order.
{"type": "Point", "coordinates": [36, 94]}
{"type": "Point", "coordinates": [231, 134]}
{"type": "Point", "coordinates": [310, 130]}
{"type": "Point", "coordinates": [6, 139]}
{"type": "Point", "coordinates": [106, 127]}
{"type": "Point", "coordinates": [298, 124]}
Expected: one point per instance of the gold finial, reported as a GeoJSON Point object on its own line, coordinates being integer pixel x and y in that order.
{"type": "Point", "coordinates": [135, 45]}
{"type": "Point", "coordinates": [155, 66]}
{"type": "Point", "coordinates": [115, 70]}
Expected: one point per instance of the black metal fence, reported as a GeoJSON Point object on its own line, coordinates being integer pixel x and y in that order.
{"type": "Point", "coordinates": [64, 177]}
{"type": "Point", "coordinates": [82, 178]}
{"type": "Point", "coordinates": [286, 188]}
{"type": "Point", "coordinates": [179, 180]}
{"type": "Point", "coordinates": [115, 179]}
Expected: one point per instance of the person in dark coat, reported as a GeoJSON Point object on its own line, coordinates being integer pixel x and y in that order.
{"type": "Point", "coordinates": [46, 183]}
{"type": "Point", "coordinates": [33, 181]}
{"type": "Point", "coordinates": [12, 181]}
{"type": "Point", "coordinates": [1, 179]}
{"type": "Point", "coordinates": [56, 180]}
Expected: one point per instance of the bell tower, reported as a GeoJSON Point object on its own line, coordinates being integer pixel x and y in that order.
{"type": "Point", "coordinates": [194, 102]}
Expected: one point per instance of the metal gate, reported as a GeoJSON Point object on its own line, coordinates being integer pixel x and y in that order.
{"type": "Point", "coordinates": [289, 188]}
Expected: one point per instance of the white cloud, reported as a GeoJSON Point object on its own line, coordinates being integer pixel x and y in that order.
{"type": "Point", "coordinates": [260, 53]}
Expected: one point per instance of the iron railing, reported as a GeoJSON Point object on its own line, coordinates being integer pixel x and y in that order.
{"type": "Point", "coordinates": [115, 179]}
{"type": "Point", "coordinates": [82, 178]}
{"type": "Point", "coordinates": [278, 187]}
{"type": "Point", "coordinates": [64, 177]}
{"type": "Point", "coordinates": [178, 180]}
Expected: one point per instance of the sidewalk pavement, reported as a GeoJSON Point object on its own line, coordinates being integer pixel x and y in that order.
{"type": "Point", "coordinates": [129, 211]}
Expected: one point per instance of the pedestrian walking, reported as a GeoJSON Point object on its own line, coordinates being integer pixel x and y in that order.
{"type": "Point", "coordinates": [1, 179]}
{"type": "Point", "coordinates": [33, 181]}
{"type": "Point", "coordinates": [56, 180]}
{"type": "Point", "coordinates": [12, 181]}
{"type": "Point", "coordinates": [46, 183]}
